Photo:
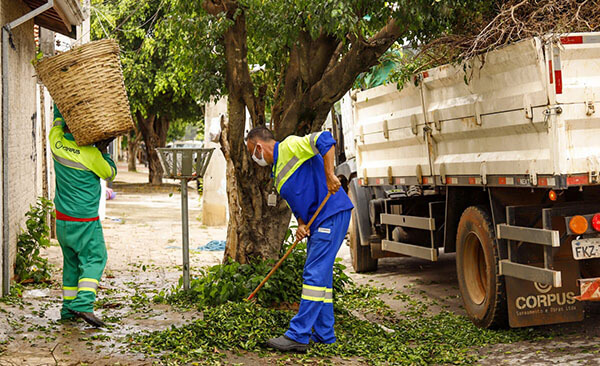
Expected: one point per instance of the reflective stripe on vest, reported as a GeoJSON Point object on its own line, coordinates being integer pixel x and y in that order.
{"type": "Point", "coordinates": [292, 153]}
{"type": "Point", "coordinates": [69, 163]}
{"type": "Point", "coordinates": [313, 142]}
{"type": "Point", "coordinates": [285, 170]}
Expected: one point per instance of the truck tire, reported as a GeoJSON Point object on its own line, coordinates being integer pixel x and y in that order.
{"type": "Point", "coordinates": [477, 268]}
{"type": "Point", "coordinates": [362, 261]}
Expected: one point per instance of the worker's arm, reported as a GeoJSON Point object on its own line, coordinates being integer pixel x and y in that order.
{"type": "Point", "coordinates": [112, 164]}
{"type": "Point", "coordinates": [302, 231]}
{"type": "Point", "coordinates": [333, 183]}
{"type": "Point", "coordinates": [306, 147]}
{"type": "Point", "coordinates": [56, 133]}
{"type": "Point", "coordinates": [103, 148]}
{"type": "Point", "coordinates": [101, 164]}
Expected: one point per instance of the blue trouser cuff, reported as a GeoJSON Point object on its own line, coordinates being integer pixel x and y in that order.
{"type": "Point", "coordinates": [294, 337]}
{"type": "Point", "coordinates": [315, 338]}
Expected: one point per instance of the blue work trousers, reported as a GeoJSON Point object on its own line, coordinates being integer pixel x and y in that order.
{"type": "Point", "coordinates": [316, 305]}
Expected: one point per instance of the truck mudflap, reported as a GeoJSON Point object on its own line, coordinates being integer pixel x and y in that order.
{"type": "Point", "coordinates": [544, 292]}
{"type": "Point", "coordinates": [533, 303]}
{"type": "Point", "coordinates": [589, 289]}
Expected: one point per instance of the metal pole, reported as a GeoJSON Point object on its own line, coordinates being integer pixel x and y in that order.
{"type": "Point", "coordinates": [185, 235]}
{"type": "Point", "coordinates": [5, 217]}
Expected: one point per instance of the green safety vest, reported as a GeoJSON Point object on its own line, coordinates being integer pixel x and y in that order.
{"type": "Point", "coordinates": [292, 153]}
{"type": "Point", "coordinates": [78, 169]}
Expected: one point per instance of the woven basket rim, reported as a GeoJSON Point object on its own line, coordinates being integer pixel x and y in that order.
{"type": "Point", "coordinates": [97, 48]}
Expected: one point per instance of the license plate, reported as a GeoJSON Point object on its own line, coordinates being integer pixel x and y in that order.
{"type": "Point", "coordinates": [586, 248]}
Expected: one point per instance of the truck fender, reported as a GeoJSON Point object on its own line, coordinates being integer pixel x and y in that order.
{"type": "Point", "coordinates": [346, 169]}
{"type": "Point", "coordinates": [360, 199]}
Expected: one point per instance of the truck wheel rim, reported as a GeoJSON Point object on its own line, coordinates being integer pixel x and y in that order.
{"type": "Point", "coordinates": [475, 269]}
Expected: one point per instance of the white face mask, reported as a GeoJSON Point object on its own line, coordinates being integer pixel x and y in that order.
{"type": "Point", "coordinates": [261, 161]}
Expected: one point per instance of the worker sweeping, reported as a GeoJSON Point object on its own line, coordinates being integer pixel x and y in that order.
{"type": "Point", "coordinates": [303, 173]}
{"type": "Point", "coordinates": [78, 172]}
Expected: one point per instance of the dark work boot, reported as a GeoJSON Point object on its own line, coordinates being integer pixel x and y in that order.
{"type": "Point", "coordinates": [90, 318]}
{"type": "Point", "coordinates": [283, 343]}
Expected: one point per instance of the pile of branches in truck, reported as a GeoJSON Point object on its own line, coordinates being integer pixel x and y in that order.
{"type": "Point", "coordinates": [511, 21]}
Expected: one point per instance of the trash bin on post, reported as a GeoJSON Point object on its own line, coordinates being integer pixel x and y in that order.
{"type": "Point", "coordinates": [185, 164]}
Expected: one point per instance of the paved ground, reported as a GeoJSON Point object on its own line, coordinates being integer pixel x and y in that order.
{"type": "Point", "coordinates": [143, 236]}
{"type": "Point", "coordinates": [572, 344]}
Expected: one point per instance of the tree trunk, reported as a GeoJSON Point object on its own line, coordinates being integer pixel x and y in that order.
{"type": "Point", "coordinates": [315, 78]}
{"type": "Point", "coordinates": [154, 130]}
{"type": "Point", "coordinates": [132, 148]}
{"type": "Point", "coordinates": [254, 229]}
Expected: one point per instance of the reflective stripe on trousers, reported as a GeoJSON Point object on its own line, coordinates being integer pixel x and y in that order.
{"type": "Point", "coordinates": [87, 284]}
{"type": "Point", "coordinates": [69, 293]}
{"type": "Point", "coordinates": [314, 293]}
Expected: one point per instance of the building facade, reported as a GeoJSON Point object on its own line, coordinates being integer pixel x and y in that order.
{"type": "Point", "coordinates": [25, 117]}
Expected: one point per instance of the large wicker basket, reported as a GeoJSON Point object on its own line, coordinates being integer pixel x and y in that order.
{"type": "Point", "coordinates": [86, 84]}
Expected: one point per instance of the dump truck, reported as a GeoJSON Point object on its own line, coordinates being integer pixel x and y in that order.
{"type": "Point", "coordinates": [496, 160]}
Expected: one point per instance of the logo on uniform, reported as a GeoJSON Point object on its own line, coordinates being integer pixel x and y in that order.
{"type": "Point", "coordinates": [59, 145]}
{"type": "Point", "coordinates": [325, 230]}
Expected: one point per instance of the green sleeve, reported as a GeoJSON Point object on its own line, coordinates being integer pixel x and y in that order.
{"type": "Point", "coordinates": [56, 133]}
{"type": "Point", "coordinates": [112, 164]}
{"type": "Point", "coordinates": [99, 164]}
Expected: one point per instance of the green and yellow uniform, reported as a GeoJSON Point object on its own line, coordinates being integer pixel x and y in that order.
{"type": "Point", "coordinates": [78, 172]}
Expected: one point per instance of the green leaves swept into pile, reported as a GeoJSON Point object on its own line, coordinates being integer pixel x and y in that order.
{"type": "Point", "coordinates": [232, 281]}
{"type": "Point", "coordinates": [410, 338]}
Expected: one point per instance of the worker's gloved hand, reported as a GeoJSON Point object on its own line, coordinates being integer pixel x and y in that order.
{"type": "Point", "coordinates": [302, 232]}
{"type": "Point", "coordinates": [333, 184]}
{"type": "Point", "coordinates": [103, 145]}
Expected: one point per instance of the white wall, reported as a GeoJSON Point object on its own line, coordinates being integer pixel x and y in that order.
{"type": "Point", "coordinates": [214, 197]}
{"type": "Point", "coordinates": [24, 130]}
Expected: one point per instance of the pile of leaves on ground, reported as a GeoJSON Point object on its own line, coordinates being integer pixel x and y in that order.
{"type": "Point", "coordinates": [411, 337]}
{"type": "Point", "coordinates": [231, 325]}
{"type": "Point", "coordinates": [232, 281]}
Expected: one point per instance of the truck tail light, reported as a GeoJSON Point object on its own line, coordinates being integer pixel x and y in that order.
{"type": "Point", "coordinates": [552, 195]}
{"type": "Point", "coordinates": [578, 224]}
{"type": "Point", "coordinates": [596, 222]}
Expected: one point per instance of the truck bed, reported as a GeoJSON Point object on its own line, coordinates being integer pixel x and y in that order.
{"type": "Point", "coordinates": [522, 115]}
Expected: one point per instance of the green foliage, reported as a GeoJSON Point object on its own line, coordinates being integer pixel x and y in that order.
{"type": "Point", "coordinates": [233, 281]}
{"type": "Point", "coordinates": [147, 56]}
{"type": "Point", "coordinates": [15, 296]}
{"type": "Point", "coordinates": [404, 338]}
{"type": "Point", "coordinates": [30, 266]}
{"type": "Point", "coordinates": [273, 28]}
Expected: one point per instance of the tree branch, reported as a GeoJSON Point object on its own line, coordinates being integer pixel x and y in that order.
{"type": "Point", "coordinates": [307, 108]}
{"type": "Point", "coordinates": [214, 7]}
{"type": "Point", "coordinates": [239, 82]}
{"type": "Point", "coordinates": [361, 56]}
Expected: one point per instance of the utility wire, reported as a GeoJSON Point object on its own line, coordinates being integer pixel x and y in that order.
{"type": "Point", "coordinates": [128, 17]}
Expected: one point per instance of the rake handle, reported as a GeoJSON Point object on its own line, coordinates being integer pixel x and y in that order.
{"type": "Point", "coordinates": [289, 251]}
